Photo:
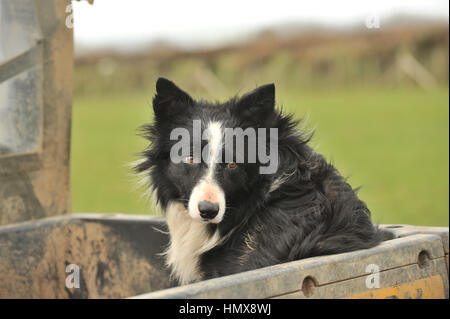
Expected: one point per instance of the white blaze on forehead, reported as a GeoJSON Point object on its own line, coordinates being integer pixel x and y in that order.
{"type": "Point", "coordinates": [207, 188]}
{"type": "Point", "coordinates": [215, 146]}
{"type": "Point", "coordinates": [215, 134]}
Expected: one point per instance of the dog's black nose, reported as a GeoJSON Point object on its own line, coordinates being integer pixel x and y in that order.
{"type": "Point", "coordinates": [208, 210]}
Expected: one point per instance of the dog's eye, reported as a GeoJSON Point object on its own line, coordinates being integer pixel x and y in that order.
{"type": "Point", "coordinates": [232, 165]}
{"type": "Point", "coordinates": [189, 160]}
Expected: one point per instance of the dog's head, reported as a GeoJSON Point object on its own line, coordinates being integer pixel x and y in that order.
{"type": "Point", "coordinates": [211, 157]}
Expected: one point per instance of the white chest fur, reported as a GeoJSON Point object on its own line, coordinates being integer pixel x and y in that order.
{"type": "Point", "coordinates": [188, 240]}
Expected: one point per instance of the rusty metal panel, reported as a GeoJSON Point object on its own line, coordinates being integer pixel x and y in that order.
{"type": "Point", "coordinates": [407, 230]}
{"type": "Point", "coordinates": [117, 256]}
{"type": "Point", "coordinates": [410, 282]}
{"type": "Point", "coordinates": [335, 276]}
{"type": "Point", "coordinates": [426, 288]}
{"type": "Point", "coordinates": [35, 96]}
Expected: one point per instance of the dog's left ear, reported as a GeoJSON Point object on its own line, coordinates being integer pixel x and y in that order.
{"type": "Point", "coordinates": [258, 103]}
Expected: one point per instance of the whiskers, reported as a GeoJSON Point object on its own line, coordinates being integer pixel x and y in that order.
{"type": "Point", "coordinates": [183, 200]}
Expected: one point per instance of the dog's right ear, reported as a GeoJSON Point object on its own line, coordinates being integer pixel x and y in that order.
{"type": "Point", "coordinates": [257, 105]}
{"type": "Point", "coordinates": [169, 99]}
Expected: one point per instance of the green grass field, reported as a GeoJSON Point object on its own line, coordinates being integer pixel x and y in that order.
{"type": "Point", "coordinates": [392, 142]}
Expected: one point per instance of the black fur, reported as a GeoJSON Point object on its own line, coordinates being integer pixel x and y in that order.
{"type": "Point", "coordinates": [314, 211]}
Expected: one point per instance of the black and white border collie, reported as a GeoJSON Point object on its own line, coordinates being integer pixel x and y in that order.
{"type": "Point", "coordinates": [225, 217]}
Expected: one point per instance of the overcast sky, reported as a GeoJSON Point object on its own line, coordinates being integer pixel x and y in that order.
{"type": "Point", "coordinates": [121, 23]}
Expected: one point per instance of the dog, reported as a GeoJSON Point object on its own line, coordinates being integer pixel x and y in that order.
{"type": "Point", "coordinates": [226, 216]}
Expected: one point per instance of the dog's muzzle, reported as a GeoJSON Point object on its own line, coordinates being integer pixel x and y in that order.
{"type": "Point", "coordinates": [207, 202]}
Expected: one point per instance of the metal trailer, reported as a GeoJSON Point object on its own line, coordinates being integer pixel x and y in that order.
{"type": "Point", "coordinates": [120, 256]}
